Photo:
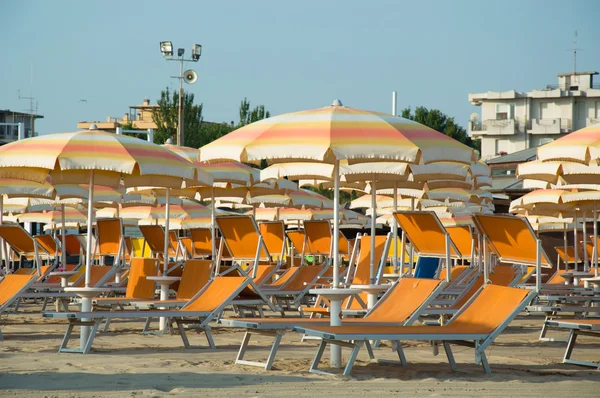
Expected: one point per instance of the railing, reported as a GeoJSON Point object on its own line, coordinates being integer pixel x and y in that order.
{"type": "Point", "coordinates": [492, 126]}
{"type": "Point", "coordinates": [595, 86]}
{"type": "Point", "coordinates": [550, 126]}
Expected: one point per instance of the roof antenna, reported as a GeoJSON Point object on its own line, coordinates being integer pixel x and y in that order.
{"type": "Point", "coordinates": [575, 54]}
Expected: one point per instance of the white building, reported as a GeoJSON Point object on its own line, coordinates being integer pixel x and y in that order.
{"type": "Point", "coordinates": [511, 121]}
{"type": "Point", "coordinates": [9, 133]}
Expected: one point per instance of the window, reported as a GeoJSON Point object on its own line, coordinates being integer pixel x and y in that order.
{"type": "Point", "coordinates": [502, 111]}
{"type": "Point", "coordinates": [501, 147]}
{"type": "Point", "coordinates": [544, 110]}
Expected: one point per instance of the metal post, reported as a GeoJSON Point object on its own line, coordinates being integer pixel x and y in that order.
{"type": "Point", "coordinates": [63, 251]}
{"type": "Point", "coordinates": [575, 256]}
{"type": "Point", "coordinates": [486, 261]}
{"type": "Point", "coordinates": [538, 266]}
{"type": "Point", "coordinates": [373, 229]}
{"type": "Point", "coordinates": [336, 224]}
{"type": "Point", "coordinates": [566, 258]}
{"type": "Point", "coordinates": [86, 302]}
{"type": "Point", "coordinates": [180, 140]}
{"type": "Point", "coordinates": [212, 222]}
{"type": "Point", "coordinates": [119, 130]}
{"type": "Point", "coordinates": [335, 355]}
{"type": "Point", "coordinates": [2, 248]}
{"type": "Point", "coordinates": [164, 288]}
{"type": "Point", "coordinates": [21, 131]}
{"type": "Point", "coordinates": [395, 226]}
{"type": "Point", "coordinates": [448, 259]}
{"type": "Point", "coordinates": [150, 136]}
{"type": "Point", "coordinates": [585, 254]}
{"type": "Point", "coordinates": [595, 241]}
{"type": "Point", "coordinates": [394, 97]}
{"type": "Point", "coordinates": [412, 249]}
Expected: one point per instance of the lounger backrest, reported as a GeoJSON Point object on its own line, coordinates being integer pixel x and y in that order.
{"type": "Point", "coordinates": [462, 237]}
{"type": "Point", "coordinates": [56, 278]}
{"type": "Point", "coordinates": [511, 238]}
{"type": "Point", "coordinates": [488, 310]}
{"type": "Point", "coordinates": [72, 245]}
{"type": "Point", "coordinates": [218, 291]}
{"type": "Point", "coordinates": [11, 285]}
{"type": "Point", "coordinates": [154, 236]}
{"type": "Point", "coordinates": [44, 270]}
{"type": "Point", "coordinates": [298, 240]}
{"type": "Point", "coordinates": [263, 272]}
{"type": "Point", "coordinates": [97, 273]}
{"type": "Point", "coordinates": [303, 278]}
{"type": "Point", "coordinates": [17, 238]}
{"type": "Point", "coordinates": [345, 247]}
{"type": "Point", "coordinates": [502, 275]}
{"type": "Point", "coordinates": [196, 274]}
{"type": "Point", "coordinates": [273, 234]}
{"type": "Point", "coordinates": [426, 233]}
{"type": "Point", "coordinates": [570, 258]}
{"type": "Point", "coordinates": [454, 273]}
{"type": "Point", "coordinates": [286, 276]}
{"type": "Point", "coordinates": [48, 243]}
{"type": "Point", "coordinates": [202, 241]}
{"type": "Point", "coordinates": [174, 242]}
{"type": "Point", "coordinates": [110, 236]}
{"type": "Point", "coordinates": [137, 284]}
{"type": "Point", "coordinates": [362, 273]}
{"type": "Point", "coordinates": [404, 299]}
{"type": "Point", "coordinates": [318, 236]}
{"type": "Point", "coordinates": [241, 237]}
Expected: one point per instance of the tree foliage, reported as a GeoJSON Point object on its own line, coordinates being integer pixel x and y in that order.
{"type": "Point", "coordinates": [437, 120]}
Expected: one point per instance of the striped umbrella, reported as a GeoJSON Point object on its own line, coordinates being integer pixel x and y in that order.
{"type": "Point", "coordinates": [54, 217]}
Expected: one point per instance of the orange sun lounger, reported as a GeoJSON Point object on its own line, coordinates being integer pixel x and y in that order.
{"type": "Point", "coordinates": [10, 287]}
{"type": "Point", "coordinates": [480, 321]}
{"type": "Point", "coordinates": [205, 306]}
{"type": "Point", "coordinates": [399, 306]}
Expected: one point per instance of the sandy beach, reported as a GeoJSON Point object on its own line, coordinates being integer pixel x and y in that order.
{"type": "Point", "coordinates": [125, 363]}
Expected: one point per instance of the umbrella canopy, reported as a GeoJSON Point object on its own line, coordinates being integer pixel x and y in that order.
{"type": "Point", "coordinates": [16, 188]}
{"type": "Point", "coordinates": [70, 157]}
{"type": "Point", "coordinates": [54, 217]}
{"type": "Point", "coordinates": [336, 132]}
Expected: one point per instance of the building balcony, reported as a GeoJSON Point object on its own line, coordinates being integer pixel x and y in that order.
{"type": "Point", "coordinates": [492, 127]}
{"type": "Point", "coordinates": [592, 120]}
{"type": "Point", "coordinates": [550, 126]}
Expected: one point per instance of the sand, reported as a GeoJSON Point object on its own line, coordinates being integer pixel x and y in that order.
{"type": "Point", "coordinates": [125, 363]}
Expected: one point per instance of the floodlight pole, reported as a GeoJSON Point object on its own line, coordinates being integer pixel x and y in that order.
{"type": "Point", "coordinates": [181, 60]}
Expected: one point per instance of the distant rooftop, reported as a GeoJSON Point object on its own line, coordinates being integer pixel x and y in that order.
{"type": "Point", "coordinates": [576, 74]}
{"type": "Point", "coordinates": [516, 157]}
{"type": "Point", "coordinates": [25, 114]}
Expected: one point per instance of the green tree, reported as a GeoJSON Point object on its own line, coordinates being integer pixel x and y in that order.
{"type": "Point", "coordinates": [166, 119]}
{"type": "Point", "coordinates": [439, 121]}
{"type": "Point", "coordinates": [248, 116]}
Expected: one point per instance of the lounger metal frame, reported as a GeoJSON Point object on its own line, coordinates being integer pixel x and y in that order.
{"type": "Point", "coordinates": [576, 329]}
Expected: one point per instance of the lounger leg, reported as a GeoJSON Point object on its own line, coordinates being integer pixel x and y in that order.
{"type": "Point", "coordinates": [242, 351]}
{"type": "Point", "coordinates": [1, 336]}
{"type": "Point", "coordinates": [449, 355]}
{"type": "Point", "coordinates": [273, 351]}
{"type": "Point", "coordinates": [369, 350]}
{"type": "Point", "coordinates": [66, 337]}
{"type": "Point", "coordinates": [88, 344]}
{"type": "Point", "coordinates": [318, 356]}
{"type": "Point", "coordinates": [146, 328]}
{"type": "Point", "coordinates": [435, 348]}
{"type": "Point", "coordinates": [184, 337]}
{"type": "Point", "coordinates": [209, 338]}
{"type": "Point", "coordinates": [570, 345]}
{"type": "Point", "coordinates": [353, 355]}
{"type": "Point", "coordinates": [484, 363]}
{"type": "Point", "coordinates": [106, 325]}
{"type": "Point", "coordinates": [397, 346]}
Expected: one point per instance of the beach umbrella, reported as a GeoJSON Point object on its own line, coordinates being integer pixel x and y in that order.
{"type": "Point", "coordinates": [54, 217]}
{"type": "Point", "coordinates": [330, 135]}
{"type": "Point", "coordinates": [93, 157]}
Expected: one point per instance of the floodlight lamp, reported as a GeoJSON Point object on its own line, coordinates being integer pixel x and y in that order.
{"type": "Point", "coordinates": [166, 48]}
{"type": "Point", "coordinates": [180, 52]}
{"type": "Point", "coordinates": [196, 52]}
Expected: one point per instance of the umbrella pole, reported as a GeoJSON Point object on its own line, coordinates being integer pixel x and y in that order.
{"type": "Point", "coordinates": [166, 243]}
{"type": "Point", "coordinates": [575, 257]}
{"type": "Point", "coordinates": [395, 227]}
{"type": "Point", "coordinates": [412, 249]}
{"type": "Point", "coordinates": [566, 257]}
{"type": "Point", "coordinates": [585, 254]}
{"type": "Point", "coordinates": [373, 232]}
{"type": "Point", "coordinates": [595, 242]}
{"type": "Point", "coordinates": [63, 252]}
{"type": "Point", "coordinates": [2, 247]}
{"type": "Point", "coordinates": [212, 226]}
{"type": "Point", "coordinates": [86, 302]}
{"type": "Point", "coordinates": [164, 288]}
{"type": "Point", "coordinates": [335, 306]}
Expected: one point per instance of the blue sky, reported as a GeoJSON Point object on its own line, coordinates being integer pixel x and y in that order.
{"type": "Point", "coordinates": [287, 55]}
